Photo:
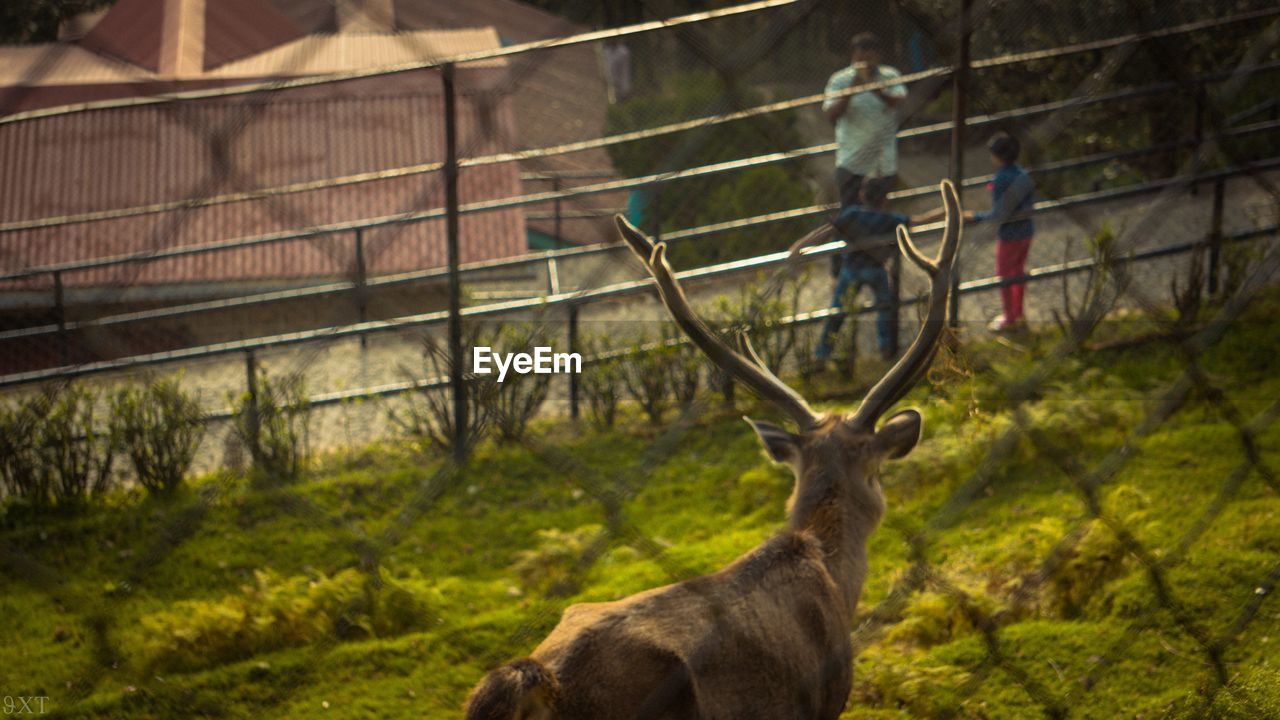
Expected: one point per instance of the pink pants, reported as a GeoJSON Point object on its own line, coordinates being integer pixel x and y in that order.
{"type": "Point", "coordinates": [1011, 261]}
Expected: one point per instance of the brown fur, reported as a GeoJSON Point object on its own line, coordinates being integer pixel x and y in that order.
{"type": "Point", "coordinates": [768, 635]}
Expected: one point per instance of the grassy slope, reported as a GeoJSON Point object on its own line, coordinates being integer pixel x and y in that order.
{"type": "Point", "coordinates": [77, 592]}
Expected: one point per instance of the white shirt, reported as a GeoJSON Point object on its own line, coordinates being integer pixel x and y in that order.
{"type": "Point", "coordinates": [866, 133]}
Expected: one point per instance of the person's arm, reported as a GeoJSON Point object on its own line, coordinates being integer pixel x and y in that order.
{"type": "Point", "coordinates": [816, 237]}
{"type": "Point", "coordinates": [834, 107]}
{"type": "Point", "coordinates": [893, 95]}
{"type": "Point", "coordinates": [927, 217]}
{"type": "Point", "coordinates": [1006, 195]}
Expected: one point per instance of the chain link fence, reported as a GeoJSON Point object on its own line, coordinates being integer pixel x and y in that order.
{"type": "Point", "coordinates": [272, 259]}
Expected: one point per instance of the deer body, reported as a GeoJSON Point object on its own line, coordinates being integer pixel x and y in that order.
{"type": "Point", "coordinates": [768, 636]}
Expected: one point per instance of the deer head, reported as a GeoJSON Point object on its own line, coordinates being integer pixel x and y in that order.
{"type": "Point", "coordinates": [830, 453]}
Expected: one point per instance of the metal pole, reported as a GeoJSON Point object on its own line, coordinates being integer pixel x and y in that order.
{"type": "Point", "coordinates": [959, 94]}
{"type": "Point", "coordinates": [456, 361]}
{"type": "Point", "coordinates": [362, 290]}
{"type": "Point", "coordinates": [252, 421]}
{"type": "Point", "coordinates": [573, 348]}
{"type": "Point", "coordinates": [1215, 235]}
{"type": "Point", "coordinates": [60, 316]}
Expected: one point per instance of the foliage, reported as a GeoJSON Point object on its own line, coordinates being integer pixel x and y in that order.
{"type": "Point", "coordinates": [551, 564]}
{"type": "Point", "coordinates": [519, 396]}
{"type": "Point", "coordinates": [649, 369]}
{"type": "Point", "coordinates": [161, 427]}
{"type": "Point", "coordinates": [22, 469]}
{"type": "Point", "coordinates": [273, 423]}
{"type": "Point", "coordinates": [698, 201]}
{"type": "Point", "coordinates": [601, 381]}
{"type": "Point", "coordinates": [276, 612]}
{"type": "Point", "coordinates": [427, 415]}
{"type": "Point", "coordinates": [706, 498]}
{"type": "Point", "coordinates": [55, 450]}
{"type": "Point", "coordinates": [78, 447]}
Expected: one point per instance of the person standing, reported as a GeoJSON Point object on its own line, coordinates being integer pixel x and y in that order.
{"type": "Point", "coordinates": [867, 229]}
{"type": "Point", "coordinates": [1012, 200]}
{"type": "Point", "coordinates": [866, 123]}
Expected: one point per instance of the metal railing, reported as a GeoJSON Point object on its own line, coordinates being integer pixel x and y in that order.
{"type": "Point", "coordinates": [575, 299]}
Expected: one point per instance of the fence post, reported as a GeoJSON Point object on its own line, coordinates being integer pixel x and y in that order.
{"type": "Point", "coordinates": [456, 361]}
{"type": "Point", "coordinates": [251, 421]}
{"type": "Point", "coordinates": [1215, 234]}
{"type": "Point", "coordinates": [60, 317]}
{"type": "Point", "coordinates": [362, 290]}
{"type": "Point", "coordinates": [573, 348]}
{"type": "Point", "coordinates": [959, 92]}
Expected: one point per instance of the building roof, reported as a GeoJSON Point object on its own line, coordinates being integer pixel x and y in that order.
{"type": "Point", "coordinates": [559, 95]}
{"type": "Point", "coordinates": [126, 157]}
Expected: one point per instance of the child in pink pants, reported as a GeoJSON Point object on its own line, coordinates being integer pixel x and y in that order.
{"type": "Point", "coordinates": [1012, 199]}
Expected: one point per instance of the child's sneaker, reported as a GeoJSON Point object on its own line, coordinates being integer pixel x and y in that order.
{"type": "Point", "coordinates": [997, 323]}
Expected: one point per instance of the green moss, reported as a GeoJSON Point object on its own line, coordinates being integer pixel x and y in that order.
{"type": "Point", "coordinates": [453, 575]}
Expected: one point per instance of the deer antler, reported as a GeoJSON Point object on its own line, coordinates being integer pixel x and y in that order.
{"type": "Point", "coordinates": [750, 372]}
{"type": "Point", "coordinates": [907, 371]}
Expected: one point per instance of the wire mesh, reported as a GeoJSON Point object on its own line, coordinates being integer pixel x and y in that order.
{"type": "Point", "coordinates": [712, 140]}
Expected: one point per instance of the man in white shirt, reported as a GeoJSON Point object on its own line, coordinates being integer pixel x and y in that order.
{"type": "Point", "coordinates": [866, 123]}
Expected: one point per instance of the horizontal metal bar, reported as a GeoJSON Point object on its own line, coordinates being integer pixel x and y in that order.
{"type": "Point", "coordinates": [549, 196]}
{"type": "Point", "coordinates": [601, 142]}
{"type": "Point", "coordinates": [818, 315]}
{"type": "Point", "coordinates": [610, 291]}
{"type": "Point", "coordinates": [690, 233]}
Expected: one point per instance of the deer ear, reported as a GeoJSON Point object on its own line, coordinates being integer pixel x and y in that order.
{"type": "Point", "coordinates": [782, 446]}
{"type": "Point", "coordinates": [899, 433]}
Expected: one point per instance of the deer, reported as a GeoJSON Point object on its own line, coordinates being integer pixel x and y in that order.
{"type": "Point", "coordinates": [767, 636]}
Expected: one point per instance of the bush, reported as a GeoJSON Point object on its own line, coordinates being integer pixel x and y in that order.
{"type": "Point", "coordinates": [519, 396]}
{"type": "Point", "coordinates": [759, 311]}
{"type": "Point", "coordinates": [160, 428]}
{"type": "Point", "coordinates": [427, 417]}
{"type": "Point", "coordinates": [647, 375]}
{"type": "Point", "coordinates": [273, 423]}
{"type": "Point", "coordinates": [26, 478]}
{"type": "Point", "coordinates": [54, 452]}
{"type": "Point", "coordinates": [78, 448]}
{"type": "Point", "coordinates": [601, 381]}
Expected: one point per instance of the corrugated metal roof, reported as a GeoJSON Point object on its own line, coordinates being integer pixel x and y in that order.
{"type": "Point", "coordinates": [130, 156]}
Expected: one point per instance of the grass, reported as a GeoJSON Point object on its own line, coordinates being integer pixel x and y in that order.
{"type": "Point", "coordinates": [385, 587]}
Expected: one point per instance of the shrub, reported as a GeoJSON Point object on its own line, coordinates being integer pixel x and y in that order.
{"type": "Point", "coordinates": [601, 381]}
{"type": "Point", "coordinates": [759, 309]}
{"type": "Point", "coordinates": [78, 448]}
{"type": "Point", "coordinates": [160, 427]}
{"type": "Point", "coordinates": [647, 376]}
{"type": "Point", "coordinates": [26, 478]}
{"type": "Point", "coordinates": [273, 423]}
{"type": "Point", "coordinates": [519, 396]}
{"type": "Point", "coordinates": [427, 415]}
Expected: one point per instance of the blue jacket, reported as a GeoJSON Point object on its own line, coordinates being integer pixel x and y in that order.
{"type": "Point", "coordinates": [869, 234]}
{"type": "Point", "coordinates": [1012, 194]}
